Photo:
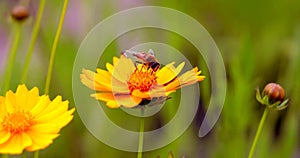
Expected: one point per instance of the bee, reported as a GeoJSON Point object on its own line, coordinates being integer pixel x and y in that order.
{"type": "Point", "coordinates": [148, 59]}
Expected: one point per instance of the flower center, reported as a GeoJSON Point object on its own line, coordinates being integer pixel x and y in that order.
{"type": "Point", "coordinates": [142, 78]}
{"type": "Point", "coordinates": [17, 122]}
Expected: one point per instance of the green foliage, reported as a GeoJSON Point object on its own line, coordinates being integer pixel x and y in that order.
{"type": "Point", "coordinates": [259, 41]}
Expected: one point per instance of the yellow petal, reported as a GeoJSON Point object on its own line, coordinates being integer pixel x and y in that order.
{"type": "Point", "coordinates": [2, 107]}
{"type": "Point", "coordinates": [52, 114]}
{"type": "Point", "coordinates": [41, 105]}
{"type": "Point", "coordinates": [89, 79]}
{"type": "Point", "coordinates": [64, 118]}
{"type": "Point", "coordinates": [110, 68]}
{"type": "Point", "coordinates": [32, 98]}
{"type": "Point", "coordinates": [123, 69]}
{"type": "Point", "coordinates": [138, 93]}
{"type": "Point", "coordinates": [25, 99]}
{"type": "Point", "coordinates": [103, 77]}
{"type": "Point", "coordinates": [154, 92]}
{"type": "Point", "coordinates": [26, 141]}
{"type": "Point", "coordinates": [112, 104]}
{"type": "Point", "coordinates": [117, 100]}
{"type": "Point", "coordinates": [52, 106]}
{"type": "Point", "coordinates": [106, 79]}
{"type": "Point", "coordinates": [172, 85]}
{"type": "Point", "coordinates": [160, 91]}
{"type": "Point", "coordinates": [103, 96]}
{"type": "Point", "coordinates": [128, 101]}
{"type": "Point", "coordinates": [200, 78]}
{"type": "Point", "coordinates": [92, 84]}
{"type": "Point", "coordinates": [21, 96]}
{"type": "Point", "coordinates": [10, 102]}
{"type": "Point", "coordinates": [16, 144]}
{"type": "Point", "coordinates": [45, 128]}
{"type": "Point", "coordinates": [115, 60]}
{"type": "Point", "coordinates": [188, 78]}
{"type": "Point", "coordinates": [4, 136]}
{"type": "Point", "coordinates": [40, 140]}
{"type": "Point", "coordinates": [168, 72]}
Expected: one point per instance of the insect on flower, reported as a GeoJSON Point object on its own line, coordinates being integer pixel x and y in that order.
{"type": "Point", "coordinates": [128, 84]}
{"type": "Point", "coordinates": [148, 59]}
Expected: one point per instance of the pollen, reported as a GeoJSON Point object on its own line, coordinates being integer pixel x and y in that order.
{"type": "Point", "coordinates": [17, 122]}
{"type": "Point", "coordinates": [142, 79]}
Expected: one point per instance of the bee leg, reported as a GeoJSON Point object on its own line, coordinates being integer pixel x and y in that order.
{"type": "Point", "coordinates": [137, 62]}
{"type": "Point", "coordinates": [150, 51]}
{"type": "Point", "coordinates": [124, 53]}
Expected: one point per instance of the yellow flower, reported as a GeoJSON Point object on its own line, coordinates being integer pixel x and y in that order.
{"type": "Point", "coordinates": [125, 84]}
{"type": "Point", "coordinates": [29, 121]}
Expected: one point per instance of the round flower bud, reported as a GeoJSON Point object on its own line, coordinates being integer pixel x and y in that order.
{"type": "Point", "coordinates": [274, 91]}
{"type": "Point", "coordinates": [20, 13]}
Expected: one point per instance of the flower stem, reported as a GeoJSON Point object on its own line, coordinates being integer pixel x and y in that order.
{"type": "Point", "coordinates": [36, 154]}
{"type": "Point", "coordinates": [261, 124]}
{"type": "Point", "coordinates": [4, 156]}
{"type": "Point", "coordinates": [24, 154]}
{"type": "Point", "coordinates": [141, 136]}
{"type": "Point", "coordinates": [33, 40]}
{"type": "Point", "coordinates": [54, 46]}
{"type": "Point", "coordinates": [12, 56]}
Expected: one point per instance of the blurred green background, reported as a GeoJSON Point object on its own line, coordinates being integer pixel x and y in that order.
{"type": "Point", "coordinates": [259, 42]}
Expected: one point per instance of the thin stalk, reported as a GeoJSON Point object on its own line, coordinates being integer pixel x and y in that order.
{"type": "Point", "coordinates": [34, 35]}
{"type": "Point", "coordinates": [52, 54]}
{"type": "Point", "coordinates": [54, 46]}
{"type": "Point", "coordinates": [4, 156]}
{"type": "Point", "coordinates": [12, 56]}
{"type": "Point", "coordinates": [141, 136]}
{"type": "Point", "coordinates": [24, 154]}
{"type": "Point", "coordinates": [261, 124]}
{"type": "Point", "coordinates": [36, 154]}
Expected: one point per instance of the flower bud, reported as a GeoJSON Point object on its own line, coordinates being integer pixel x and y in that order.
{"type": "Point", "coordinates": [272, 96]}
{"type": "Point", "coordinates": [20, 13]}
{"type": "Point", "coordinates": [274, 91]}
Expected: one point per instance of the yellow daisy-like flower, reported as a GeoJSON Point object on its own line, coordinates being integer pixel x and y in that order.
{"type": "Point", "coordinates": [125, 84]}
{"type": "Point", "coordinates": [29, 121]}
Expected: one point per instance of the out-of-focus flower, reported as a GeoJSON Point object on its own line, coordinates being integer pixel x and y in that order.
{"type": "Point", "coordinates": [125, 84]}
{"type": "Point", "coordinates": [20, 13]}
{"type": "Point", "coordinates": [29, 121]}
{"type": "Point", "coordinates": [272, 96]}
{"type": "Point", "coordinates": [3, 48]}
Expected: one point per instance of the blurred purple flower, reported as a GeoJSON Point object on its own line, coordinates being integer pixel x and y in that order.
{"type": "Point", "coordinates": [76, 21]}
{"type": "Point", "coordinates": [126, 4]}
{"type": "Point", "coordinates": [3, 47]}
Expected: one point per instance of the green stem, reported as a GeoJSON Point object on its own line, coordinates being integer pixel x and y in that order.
{"type": "Point", "coordinates": [36, 154]}
{"type": "Point", "coordinates": [24, 154]}
{"type": "Point", "coordinates": [4, 156]}
{"type": "Point", "coordinates": [52, 54]}
{"type": "Point", "coordinates": [141, 136]}
{"type": "Point", "coordinates": [33, 40]}
{"type": "Point", "coordinates": [261, 124]}
{"type": "Point", "coordinates": [54, 46]}
{"type": "Point", "coordinates": [12, 56]}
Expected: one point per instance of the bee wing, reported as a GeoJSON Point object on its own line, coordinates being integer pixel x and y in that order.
{"type": "Point", "coordinates": [131, 52]}
{"type": "Point", "coordinates": [150, 51]}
